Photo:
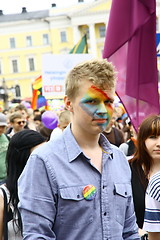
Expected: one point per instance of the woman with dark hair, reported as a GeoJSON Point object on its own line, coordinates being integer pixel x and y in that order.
{"type": "Point", "coordinates": [20, 147]}
{"type": "Point", "coordinates": [145, 166]}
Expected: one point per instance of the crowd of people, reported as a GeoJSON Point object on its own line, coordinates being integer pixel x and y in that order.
{"type": "Point", "coordinates": [91, 176]}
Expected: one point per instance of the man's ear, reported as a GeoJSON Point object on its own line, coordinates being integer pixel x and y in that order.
{"type": "Point", "coordinates": [68, 104]}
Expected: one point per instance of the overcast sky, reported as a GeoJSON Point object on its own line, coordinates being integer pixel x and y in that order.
{"type": "Point", "coordinates": [15, 6]}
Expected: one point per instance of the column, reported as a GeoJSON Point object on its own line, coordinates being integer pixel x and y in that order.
{"type": "Point", "coordinates": [92, 35]}
{"type": "Point", "coordinates": [76, 34]}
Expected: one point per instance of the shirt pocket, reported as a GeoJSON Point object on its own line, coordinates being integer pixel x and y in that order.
{"type": "Point", "coordinates": [75, 210]}
{"type": "Point", "coordinates": [122, 192]}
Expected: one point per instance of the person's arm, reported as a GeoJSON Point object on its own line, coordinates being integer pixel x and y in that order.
{"type": "Point", "coordinates": [37, 202]}
{"type": "Point", "coordinates": [1, 216]}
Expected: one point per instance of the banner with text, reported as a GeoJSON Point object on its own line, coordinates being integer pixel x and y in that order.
{"type": "Point", "coordinates": [54, 70]}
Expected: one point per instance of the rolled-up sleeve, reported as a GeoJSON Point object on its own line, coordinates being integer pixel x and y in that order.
{"type": "Point", "coordinates": [37, 201]}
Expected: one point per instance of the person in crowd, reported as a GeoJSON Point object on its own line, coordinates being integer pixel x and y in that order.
{"type": "Point", "coordinates": [145, 166]}
{"type": "Point", "coordinates": [36, 112]}
{"type": "Point", "coordinates": [64, 119]}
{"type": "Point", "coordinates": [19, 149]}
{"type": "Point", "coordinates": [44, 131]}
{"type": "Point", "coordinates": [121, 115]}
{"type": "Point", "coordinates": [84, 183]}
{"type": "Point", "coordinates": [3, 147]}
{"type": "Point", "coordinates": [20, 108]}
{"type": "Point", "coordinates": [17, 123]}
{"type": "Point", "coordinates": [129, 147]}
{"type": "Point", "coordinates": [30, 119]}
{"type": "Point", "coordinates": [113, 134]}
{"type": "Point", "coordinates": [37, 121]}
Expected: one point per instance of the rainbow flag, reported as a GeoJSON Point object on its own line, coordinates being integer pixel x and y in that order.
{"type": "Point", "coordinates": [38, 100]}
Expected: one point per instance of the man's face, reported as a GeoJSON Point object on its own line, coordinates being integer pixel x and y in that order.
{"type": "Point", "coordinates": [92, 108]}
{"type": "Point", "coordinates": [2, 130]}
{"type": "Point", "coordinates": [18, 124]}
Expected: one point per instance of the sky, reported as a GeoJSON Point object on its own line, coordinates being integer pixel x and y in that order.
{"type": "Point", "coordinates": [15, 6]}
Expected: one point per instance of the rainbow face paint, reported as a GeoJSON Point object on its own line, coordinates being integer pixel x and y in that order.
{"type": "Point", "coordinates": [98, 105]}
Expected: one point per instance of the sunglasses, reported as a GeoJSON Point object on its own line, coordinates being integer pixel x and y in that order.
{"type": "Point", "coordinates": [20, 122]}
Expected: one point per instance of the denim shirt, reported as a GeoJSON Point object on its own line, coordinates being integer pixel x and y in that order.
{"type": "Point", "coordinates": [52, 203]}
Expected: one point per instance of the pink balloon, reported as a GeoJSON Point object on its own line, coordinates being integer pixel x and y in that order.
{"type": "Point", "coordinates": [49, 119]}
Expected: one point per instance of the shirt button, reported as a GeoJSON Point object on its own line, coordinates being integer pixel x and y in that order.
{"type": "Point", "coordinates": [105, 213]}
{"type": "Point", "coordinates": [103, 186]}
{"type": "Point", "coordinates": [78, 196]}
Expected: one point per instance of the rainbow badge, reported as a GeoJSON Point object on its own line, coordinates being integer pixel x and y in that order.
{"type": "Point", "coordinates": [89, 192]}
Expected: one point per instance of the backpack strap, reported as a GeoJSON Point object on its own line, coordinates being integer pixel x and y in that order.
{"type": "Point", "coordinates": [5, 222]}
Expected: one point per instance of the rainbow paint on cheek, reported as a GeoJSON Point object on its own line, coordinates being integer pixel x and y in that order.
{"type": "Point", "coordinates": [98, 105]}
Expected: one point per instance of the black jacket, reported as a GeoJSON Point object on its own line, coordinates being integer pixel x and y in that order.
{"type": "Point", "coordinates": [138, 189]}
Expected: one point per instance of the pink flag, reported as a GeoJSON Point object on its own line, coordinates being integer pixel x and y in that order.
{"type": "Point", "coordinates": [130, 45]}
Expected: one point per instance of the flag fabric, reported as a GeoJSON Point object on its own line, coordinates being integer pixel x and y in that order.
{"type": "Point", "coordinates": [38, 100]}
{"type": "Point", "coordinates": [130, 44]}
{"type": "Point", "coordinates": [81, 46]}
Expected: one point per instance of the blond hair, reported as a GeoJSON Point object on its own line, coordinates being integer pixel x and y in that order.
{"type": "Point", "coordinates": [64, 117]}
{"type": "Point", "coordinates": [99, 71]}
{"type": "Point", "coordinates": [14, 115]}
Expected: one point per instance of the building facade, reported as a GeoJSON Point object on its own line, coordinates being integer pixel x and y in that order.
{"type": "Point", "coordinates": [26, 36]}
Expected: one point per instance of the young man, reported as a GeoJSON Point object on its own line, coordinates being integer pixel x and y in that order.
{"type": "Point", "coordinates": [24, 112]}
{"type": "Point", "coordinates": [78, 185]}
{"type": "Point", "coordinates": [17, 123]}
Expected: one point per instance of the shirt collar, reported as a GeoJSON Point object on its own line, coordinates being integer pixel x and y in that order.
{"type": "Point", "coordinates": [105, 144]}
{"type": "Point", "coordinates": [72, 147]}
{"type": "Point", "coordinates": [74, 150]}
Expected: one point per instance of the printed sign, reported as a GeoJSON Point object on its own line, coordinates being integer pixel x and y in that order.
{"type": "Point", "coordinates": [54, 70]}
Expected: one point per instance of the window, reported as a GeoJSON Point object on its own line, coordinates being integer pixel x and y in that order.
{"type": "Point", "coordinates": [45, 39]}
{"type": "Point", "coordinates": [12, 43]}
{"type": "Point", "coordinates": [63, 36]}
{"type": "Point", "coordinates": [28, 41]}
{"type": "Point", "coordinates": [18, 91]}
{"type": "Point", "coordinates": [102, 31]}
{"type": "Point", "coordinates": [31, 64]}
{"type": "Point", "coordinates": [14, 66]}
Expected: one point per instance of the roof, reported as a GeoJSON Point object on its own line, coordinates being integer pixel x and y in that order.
{"type": "Point", "coordinates": [74, 10]}
{"type": "Point", "coordinates": [24, 16]}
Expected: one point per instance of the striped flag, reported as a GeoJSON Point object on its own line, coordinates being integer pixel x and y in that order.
{"type": "Point", "coordinates": [38, 100]}
{"type": "Point", "coordinates": [81, 46]}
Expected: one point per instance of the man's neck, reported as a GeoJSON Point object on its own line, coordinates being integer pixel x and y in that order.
{"type": "Point", "coordinates": [90, 146]}
{"type": "Point", "coordinates": [85, 140]}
